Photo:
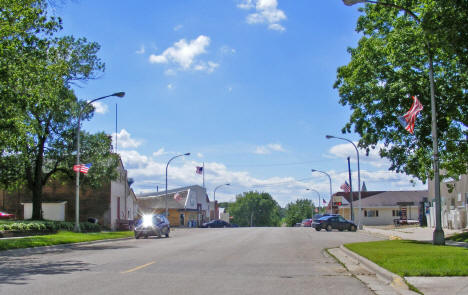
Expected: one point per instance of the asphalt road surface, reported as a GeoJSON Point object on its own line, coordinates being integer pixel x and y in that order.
{"type": "Point", "coordinates": [192, 261]}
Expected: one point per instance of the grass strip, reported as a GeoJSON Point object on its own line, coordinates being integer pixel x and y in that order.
{"type": "Point", "coordinates": [463, 237]}
{"type": "Point", "coordinates": [413, 258]}
{"type": "Point", "coordinates": [62, 237]}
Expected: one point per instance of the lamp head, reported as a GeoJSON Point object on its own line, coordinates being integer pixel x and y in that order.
{"type": "Point", "coordinates": [329, 136]}
{"type": "Point", "coordinates": [352, 2]}
{"type": "Point", "coordinates": [228, 184]}
{"type": "Point", "coordinates": [187, 154]}
{"type": "Point", "coordinates": [313, 170]}
{"type": "Point", "coordinates": [119, 94]}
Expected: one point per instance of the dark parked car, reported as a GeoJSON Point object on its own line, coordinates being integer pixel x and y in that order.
{"type": "Point", "coordinates": [216, 223]}
{"type": "Point", "coordinates": [334, 222]}
{"type": "Point", "coordinates": [152, 225]}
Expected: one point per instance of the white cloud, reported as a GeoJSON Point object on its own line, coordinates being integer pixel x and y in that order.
{"type": "Point", "coordinates": [184, 54]}
{"type": "Point", "coordinates": [267, 12]}
{"type": "Point", "coordinates": [141, 50]}
{"type": "Point", "coordinates": [346, 149]}
{"type": "Point", "coordinates": [178, 27]}
{"type": "Point", "coordinates": [100, 108]}
{"type": "Point", "coordinates": [269, 148]}
{"type": "Point", "coordinates": [170, 86]}
{"type": "Point", "coordinates": [200, 155]}
{"type": "Point", "coordinates": [159, 152]}
{"type": "Point", "coordinates": [150, 172]}
{"type": "Point", "coordinates": [124, 140]}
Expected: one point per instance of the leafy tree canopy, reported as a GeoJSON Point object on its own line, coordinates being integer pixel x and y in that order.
{"type": "Point", "coordinates": [38, 109]}
{"type": "Point", "coordinates": [255, 209]}
{"type": "Point", "coordinates": [298, 211]}
{"type": "Point", "coordinates": [391, 64]}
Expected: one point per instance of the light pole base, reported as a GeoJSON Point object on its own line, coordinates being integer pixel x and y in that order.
{"type": "Point", "coordinates": [438, 237]}
{"type": "Point", "coordinates": [77, 228]}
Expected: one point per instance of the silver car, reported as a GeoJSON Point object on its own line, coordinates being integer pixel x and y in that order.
{"type": "Point", "coordinates": [152, 225]}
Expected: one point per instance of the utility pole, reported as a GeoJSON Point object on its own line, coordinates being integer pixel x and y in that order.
{"type": "Point", "coordinates": [350, 190]}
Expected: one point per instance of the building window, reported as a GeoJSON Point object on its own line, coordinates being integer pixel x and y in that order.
{"type": "Point", "coordinates": [371, 213]}
{"type": "Point", "coordinates": [396, 213]}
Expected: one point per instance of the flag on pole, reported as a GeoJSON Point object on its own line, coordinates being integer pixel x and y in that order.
{"type": "Point", "coordinates": [199, 170]}
{"type": "Point", "coordinates": [408, 119]}
{"type": "Point", "coordinates": [83, 168]}
{"type": "Point", "coordinates": [323, 200]}
{"type": "Point", "coordinates": [345, 186]}
{"type": "Point", "coordinates": [177, 197]}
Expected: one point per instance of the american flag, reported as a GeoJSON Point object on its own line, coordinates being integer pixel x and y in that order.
{"type": "Point", "coordinates": [345, 186]}
{"type": "Point", "coordinates": [177, 197]}
{"type": "Point", "coordinates": [408, 119]}
{"type": "Point", "coordinates": [199, 170]}
{"type": "Point", "coordinates": [82, 168]}
{"type": "Point", "coordinates": [323, 200]}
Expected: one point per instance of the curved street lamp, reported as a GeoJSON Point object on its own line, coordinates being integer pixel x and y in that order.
{"type": "Point", "coordinates": [358, 175]}
{"type": "Point", "coordinates": [329, 178]}
{"type": "Point", "coordinates": [77, 185]}
{"type": "Point", "coordinates": [167, 165]}
{"type": "Point", "coordinates": [438, 236]}
{"type": "Point", "coordinates": [214, 197]}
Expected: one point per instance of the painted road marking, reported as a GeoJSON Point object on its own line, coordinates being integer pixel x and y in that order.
{"type": "Point", "coordinates": [139, 267]}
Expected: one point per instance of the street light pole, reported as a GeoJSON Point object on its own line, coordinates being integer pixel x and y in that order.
{"type": "Point", "coordinates": [329, 178]}
{"type": "Point", "coordinates": [78, 130]}
{"type": "Point", "coordinates": [318, 194]}
{"type": "Point", "coordinates": [167, 165]}
{"type": "Point", "coordinates": [214, 198]}
{"type": "Point", "coordinates": [438, 236]}
{"type": "Point", "coordinates": [358, 176]}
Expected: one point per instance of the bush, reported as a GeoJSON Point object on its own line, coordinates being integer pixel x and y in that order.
{"type": "Point", "coordinates": [48, 226]}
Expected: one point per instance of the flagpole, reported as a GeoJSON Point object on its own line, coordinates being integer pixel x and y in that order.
{"type": "Point", "coordinates": [203, 170]}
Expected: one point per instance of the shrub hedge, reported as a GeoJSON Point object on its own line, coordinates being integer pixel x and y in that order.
{"type": "Point", "coordinates": [48, 226]}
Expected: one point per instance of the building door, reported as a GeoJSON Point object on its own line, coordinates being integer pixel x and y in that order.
{"type": "Point", "coordinates": [182, 219]}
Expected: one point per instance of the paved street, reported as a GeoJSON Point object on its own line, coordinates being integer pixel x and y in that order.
{"type": "Point", "coordinates": [193, 261]}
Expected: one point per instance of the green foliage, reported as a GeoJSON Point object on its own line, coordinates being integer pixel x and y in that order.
{"type": "Point", "coordinates": [62, 237]}
{"type": "Point", "coordinates": [463, 237]}
{"type": "Point", "coordinates": [391, 64]}
{"type": "Point", "coordinates": [255, 209]}
{"type": "Point", "coordinates": [298, 211]}
{"type": "Point", "coordinates": [38, 109]}
{"type": "Point", "coordinates": [48, 226]}
{"type": "Point", "coordinates": [412, 258]}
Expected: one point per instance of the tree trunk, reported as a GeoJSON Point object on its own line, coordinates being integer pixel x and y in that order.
{"type": "Point", "coordinates": [36, 186]}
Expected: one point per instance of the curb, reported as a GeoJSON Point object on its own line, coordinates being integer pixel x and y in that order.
{"type": "Point", "coordinates": [395, 280]}
{"type": "Point", "coordinates": [33, 250]}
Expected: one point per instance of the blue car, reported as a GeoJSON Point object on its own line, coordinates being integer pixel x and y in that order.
{"type": "Point", "coordinates": [332, 222]}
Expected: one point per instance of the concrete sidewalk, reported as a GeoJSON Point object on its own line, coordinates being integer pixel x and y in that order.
{"type": "Point", "coordinates": [427, 285]}
{"type": "Point", "coordinates": [407, 233]}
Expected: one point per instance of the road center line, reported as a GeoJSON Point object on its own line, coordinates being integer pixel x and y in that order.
{"type": "Point", "coordinates": [138, 267]}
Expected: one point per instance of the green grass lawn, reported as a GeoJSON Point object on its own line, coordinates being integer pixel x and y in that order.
{"type": "Point", "coordinates": [412, 258]}
{"type": "Point", "coordinates": [62, 237]}
{"type": "Point", "coordinates": [463, 237]}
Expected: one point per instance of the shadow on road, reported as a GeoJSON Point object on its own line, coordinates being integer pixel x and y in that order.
{"type": "Point", "coordinates": [16, 271]}
{"type": "Point", "coordinates": [17, 266]}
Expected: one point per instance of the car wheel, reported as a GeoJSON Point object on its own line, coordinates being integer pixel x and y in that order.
{"type": "Point", "coordinates": [318, 229]}
{"type": "Point", "coordinates": [137, 236]}
{"type": "Point", "coordinates": [146, 236]}
{"type": "Point", "coordinates": [340, 229]}
{"type": "Point", "coordinates": [329, 227]}
{"type": "Point", "coordinates": [352, 228]}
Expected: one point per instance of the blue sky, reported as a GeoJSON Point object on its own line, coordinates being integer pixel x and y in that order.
{"type": "Point", "coordinates": [245, 86]}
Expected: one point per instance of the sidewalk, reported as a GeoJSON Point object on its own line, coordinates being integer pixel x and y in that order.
{"type": "Point", "coordinates": [427, 285]}
{"type": "Point", "coordinates": [407, 233]}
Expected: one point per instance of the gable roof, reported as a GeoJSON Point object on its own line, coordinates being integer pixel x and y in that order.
{"type": "Point", "coordinates": [387, 198]}
{"type": "Point", "coordinates": [159, 201]}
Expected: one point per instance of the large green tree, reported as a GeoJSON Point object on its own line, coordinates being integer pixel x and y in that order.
{"type": "Point", "coordinates": [391, 64]}
{"type": "Point", "coordinates": [298, 211]}
{"type": "Point", "coordinates": [255, 209]}
{"type": "Point", "coordinates": [37, 106]}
